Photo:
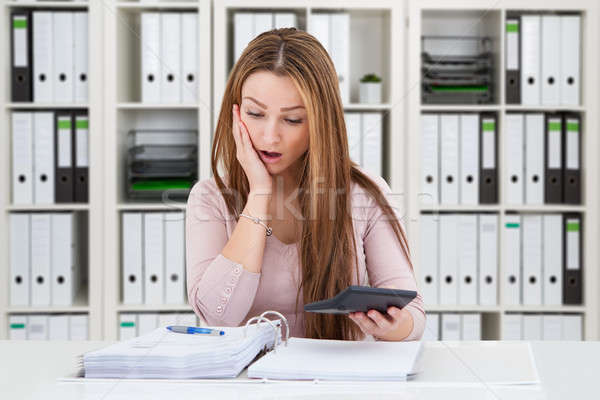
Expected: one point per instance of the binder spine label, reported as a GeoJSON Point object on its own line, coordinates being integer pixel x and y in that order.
{"type": "Point", "coordinates": [554, 144]}
{"type": "Point", "coordinates": [572, 144]}
{"type": "Point", "coordinates": [512, 45]}
{"type": "Point", "coordinates": [573, 244]}
{"type": "Point", "coordinates": [81, 152]}
{"type": "Point", "coordinates": [64, 142]}
{"type": "Point", "coordinates": [20, 41]}
{"type": "Point", "coordinates": [489, 143]}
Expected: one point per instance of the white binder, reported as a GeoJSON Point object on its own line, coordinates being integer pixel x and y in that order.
{"type": "Point", "coordinates": [512, 327]}
{"type": "Point", "coordinates": [40, 259]}
{"type": "Point", "coordinates": [451, 327]}
{"type": "Point", "coordinates": [166, 319]}
{"type": "Point", "coordinates": [151, 57]}
{"type": "Point", "coordinates": [551, 60]}
{"type": "Point", "coordinates": [354, 132]}
{"type": "Point", "coordinates": [187, 319]}
{"type": "Point", "coordinates": [471, 326]}
{"type": "Point", "coordinates": [65, 271]}
{"type": "Point", "coordinates": [43, 57]}
{"type": "Point", "coordinates": [243, 32]}
{"type": "Point", "coordinates": [515, 149]}
{"type": "Point", "coordinates": [132, 251]}
{"type": "Point", "coordinates": [154, 258]}
{"type": "Point", "coordinates": [58, 327]}
{"type": "Point", "coordinates": [81, 44]}
{"type": "Point", "coordinates": [189, 58]}
{"type": "Point", "coordinates": [488, 259]}
{"type": "Point", "coordinates": [511, 281]}
{"type": "Point", "coordinates": [339, 42]}
{"type": "Point", "coordinates": [43, 166]}
{"type": "Point", "coordinates": [448, 259]}
{"type": "Point", "coordinates": [553, 257]}
{"type": "Point", "coordinates": [551, 327]}
{"type": "Point", "coordinates": [432, 327]}
{"type": "Point", "coordinates": [572, 328]}
{"type": "Point", "coordinates": [319, 28]}
{"type": "Point", "coordinates": [37, 327]}
{"type": "Point", "coordinates": [468, 280]}
{"type": "Point", "coordinates": [532, 259]}
{"type": "Point", "coordinates": [285, 20]}
{"type": "Point", "coordinates": [372, 142]}
{"type": "Point", "coordinates": [530, 58]}
{"type": "Point", "coordinates": [17, 327]}
{"type": "Point", "coordinates": [175, 258]}
{"type": "Point", "coordinates": [147, 322]}
{"type": "Point", "coordinates": [19, 259]}
{"type": "Point", "coordinates": [430, 177]}
{"type": "Point", "coordinates": [449, 158]}
{"type": "Point", "coordinates": [63, 57]}
{"type": "Point", "coordinates": [429, 276]}
{"type": "Point", "coordinates": [534, 158]}
{"type": "Point", "coordinates": [78, 329]}
{"type": "Point", "coordinates": [127, 326]}
{"type": "Point", "coordinates": [170, 54]}
{"type": "Point", "coordinates": [570, 44]}
{"type": "Point", "coordinates": [22, 157]}
{"type": "Point", "coordinates": [469, 159]}
{"type": "Point", "coordinates": [532, 327]}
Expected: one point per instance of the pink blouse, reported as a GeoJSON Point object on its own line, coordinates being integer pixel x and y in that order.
{"type": "Point", "coordinates": [223, 293]}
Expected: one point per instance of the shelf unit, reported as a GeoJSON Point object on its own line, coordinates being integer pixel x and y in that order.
{"type": "Point", "coordinates": [115, 106]}
{"type": "Point", "coordinates": [476, 17]}
{"type": "Point", "coordinates": [89, 299]}
{"type": "Point", "coordinates": [124, 110]}
{"type": "Point", "coordinates": [381, 51]}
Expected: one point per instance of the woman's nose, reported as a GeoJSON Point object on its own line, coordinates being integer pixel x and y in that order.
{"type": "Point", "coordinates": [271, 133]}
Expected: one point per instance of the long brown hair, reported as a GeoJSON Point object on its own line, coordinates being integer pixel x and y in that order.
{"type": "Point", "coordinates": [327, 247]}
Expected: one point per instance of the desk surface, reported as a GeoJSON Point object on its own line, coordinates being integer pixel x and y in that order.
{"type": "Point", "coordinates": [30, 369]}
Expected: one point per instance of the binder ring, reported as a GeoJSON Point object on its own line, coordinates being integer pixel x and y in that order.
{"type": "Point", "coordinates": [275, 329]}
{"type": "Point", "coordinates": [284, 319]}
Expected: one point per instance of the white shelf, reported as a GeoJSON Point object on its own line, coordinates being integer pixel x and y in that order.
{"type": "Point", "coordinates": [174, 5]}
{"type": "Point", "coordinates": [151, 206]}
{"type": "Point", "coordinates": [459, 308]}
{"type": "Point", "coordinates": [36, 106]}
{"type": "Point", "coordinates": [80, 305]}
{"type": "Point", "coordinates": [47, 4]}
{"type": "Point", "coordinates": [365, 107]}
{"type": "Point", "coordinates": [517, 107]}
{"type": "Point", "coordinates": [459, 108]}
{"type": "Point", "coordinates": [145, 106]}
{"type": "Point", "coordinates": [48, 207]}
{"type": "Point", "coordinates": [545, 208]}
{"type": "Point", "coordinates": [460, 207]}
{"type": "Point", "coordinates": [545, 309]}
{"type": "Point", "coordinates": [155, 308]}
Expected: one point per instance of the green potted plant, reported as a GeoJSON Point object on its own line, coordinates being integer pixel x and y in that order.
{"type": "Point", "coordinates": [370, 89]}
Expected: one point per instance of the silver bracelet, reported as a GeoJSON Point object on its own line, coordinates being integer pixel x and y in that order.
{"type": "Point", "coordinates": [258, 221]}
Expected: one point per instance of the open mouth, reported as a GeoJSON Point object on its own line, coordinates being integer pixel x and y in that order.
{"type": "Point", "coordinates": [269, 156]}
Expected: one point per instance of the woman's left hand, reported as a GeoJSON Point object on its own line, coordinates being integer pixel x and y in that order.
{"type": "Point", "coordinates": [391, 326]}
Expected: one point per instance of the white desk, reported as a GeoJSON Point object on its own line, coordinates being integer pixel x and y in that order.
{"type": "Point", "coordinates": [30, 369]}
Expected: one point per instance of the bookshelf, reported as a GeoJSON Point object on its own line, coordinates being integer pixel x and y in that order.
{"type": "Point", "coordinates": [464, 18]}
{"type": "Point", "coordinates": [386, 37]}
{"type": "Point", "coordinates": [89, 299]}
{"type": "Point", "coordinates": [124, 110]}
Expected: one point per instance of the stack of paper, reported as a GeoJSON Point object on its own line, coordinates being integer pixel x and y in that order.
{"type": "Point", "coordinates": [338, 360]}
{"type": "Point", "coordinates": [165, 354]}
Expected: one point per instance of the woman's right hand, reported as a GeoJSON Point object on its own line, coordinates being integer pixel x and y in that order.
{"type": "Point", "coordinates": [259, 178]}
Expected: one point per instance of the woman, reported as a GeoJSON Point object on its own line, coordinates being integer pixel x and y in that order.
{"type": "Point", "coordinates": [292, 220]}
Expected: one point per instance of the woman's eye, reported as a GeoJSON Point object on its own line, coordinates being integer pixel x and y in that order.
{"type": "Point", "coordinates": [253, 114]}
{"type": "Point", "coordinates": [294, 121]}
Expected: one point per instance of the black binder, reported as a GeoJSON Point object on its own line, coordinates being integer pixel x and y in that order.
{"type": "Point", "coordinates": [22, 88]}
{"type": "Point", "coordinates": [363, 299]}
{"type": "Point", "coordinates": [572, 159]}
{"type": "Point", "coordinates": [572, 259]}
{"type": "Point", "coordinates": [553, 160]}
{"type": "Point", "coordinates": [63, 157]}
{"type": "Point", "coordinates": [488, 159]}
{"type": "Point", "coordinates": [513, 75]}
{"type": "Point", "coordinates": [81, 157]}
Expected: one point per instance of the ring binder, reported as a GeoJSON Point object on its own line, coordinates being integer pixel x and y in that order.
{"type": "Point", "coordinates": [276, 328]}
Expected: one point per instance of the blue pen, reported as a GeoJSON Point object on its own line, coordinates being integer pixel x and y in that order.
{"type": "Point", "coordinates": [193, 330]}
